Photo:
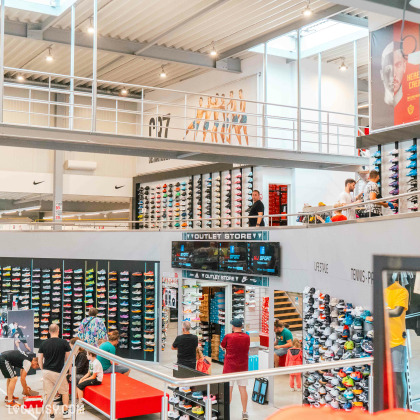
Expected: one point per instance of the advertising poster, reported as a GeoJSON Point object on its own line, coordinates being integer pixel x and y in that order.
{"type": "Point", "coordinates": [21, 329]}
{"type": "Point", "coordinates": [395, 66]}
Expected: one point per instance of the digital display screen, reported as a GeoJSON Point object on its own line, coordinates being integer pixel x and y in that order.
{"type": "Point", "coordinates": [233, 257]}
{"type": "Point", "coordinates": [195, 255]}
{"type": "Point", "coordinates": [265, 258]}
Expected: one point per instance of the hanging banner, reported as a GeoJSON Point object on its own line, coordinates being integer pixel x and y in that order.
{"type": "Point", "coordinates": [229, 278]}
{"type": "Point", "coordinates": [257, 235]}
{"type": "Point", "coordinates": [395, 66]}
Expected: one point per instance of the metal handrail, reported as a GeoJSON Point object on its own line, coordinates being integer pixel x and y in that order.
{"type": "Point", "coordinates": [203, 380]}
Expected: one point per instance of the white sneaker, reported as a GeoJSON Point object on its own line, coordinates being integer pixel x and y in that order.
{"type": "Point", "coordinates": [173, 414]}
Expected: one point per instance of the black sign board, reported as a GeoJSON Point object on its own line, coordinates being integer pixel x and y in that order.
{"type": "Point", "coordinates": [255, 235]}
{"type": "Point", "coordinates": [228, 278]}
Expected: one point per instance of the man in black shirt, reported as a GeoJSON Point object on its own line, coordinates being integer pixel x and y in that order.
{"type": "Point", "coordinates": [11, 362]}
{"type": "Point", "coordinates": [257, 209]}
{"type": "Point", "coordinates": [186, 344]}
{"type": "Point", "coordinates": [52, 355]}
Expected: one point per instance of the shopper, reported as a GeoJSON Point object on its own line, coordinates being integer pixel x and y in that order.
{"type": "Point", "coordinates": [52, 355]}
{"type": "Point", "coordinates": [82, 362]}
{"type": "Point", "coordinates": [338, 216]}
{"type": "Point", "coordinates": [12, 364]}
{"type": "Point", "coordinates": [92, 378]}
{"type": "Point", "coordinates": [236, 348]}
{"type": "Point", "coordinates": [186, 344]}
{"type": "Point", "coordinates": [110, 346]}
{"type": "Point", "coordinates": [284, 341]}
{"type": "Point", "coordinates": [92, 328]}
{"type": "Point", "coordinates": [294, 358]}
{"type": "Point", "coordinates": [371, 192]}
{"type": "Point", "coordinates": [257, 209]}
{"type": "Point", "coordinates": [203, 362]}
{"type": "Point", "coordinates": [346, 198]}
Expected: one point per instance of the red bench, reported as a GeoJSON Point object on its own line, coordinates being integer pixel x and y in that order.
{"type": "Point", "coordinates": [133, 398]}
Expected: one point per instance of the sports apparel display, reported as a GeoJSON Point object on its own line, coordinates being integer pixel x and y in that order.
{"type": "Point", "coordinates": [174, 203]}
{"type": "Point", "coordinates": [335, 330]}
{"type": "Point", "coordinates": [63, 291]}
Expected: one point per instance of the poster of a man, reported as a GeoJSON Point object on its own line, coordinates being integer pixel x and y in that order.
{"type": "Point", "coordinates": [19, 336]}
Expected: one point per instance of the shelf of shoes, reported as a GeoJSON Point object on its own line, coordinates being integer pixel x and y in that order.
{"type": "Point", "coordinates": [78, 296]}
{"type": "Point", "coordinates": [190, 201]}
{"type": "Point", "coordinates": [227, 199]}
{"type": "Point", "coordinates": [16, 281]}
{"type": "Point", "coordinates": [238, 197]}
{"type": "Point", "coordinates": [221, 351]}
{"type": "Point", "coordinates": [208, 201]}
{"type": "Point", "coordinates": [102, 294]}
{"type": "Point", "coordinates": [249, 189]}
{"type": "Point", "coordinates": [122, 293]}
{"type": "Point", "coordinates": [36, 300]}
{"type": "Point", "coordinates": [238, 302]}
{"type": "Point", "coordinates": [90, 287]}
{"type": "Point", "coordinates": [394, 174]}
{"type": "Point", "coordinates": [166, 315]}
{"type": "Point", "coordinates": [377, 164]}
{"type": "Point", "coordinates": [135, 334]}
{"type": "Point", "coordinates": [217, 308]}
{"type": "Point", "coordinates": [25, 298]}
{"type": "Point", "coordinates": [191, 304]}
{"type": "Point", "coordinates": [56, 298]}
{"type": "Point", "coordinates": [217, 199]}
{"type": "Point", "coordinates": [140, 205]}
{"type": "Point", "coordinates": [411, 175]}
{"type": "Point", "coordinates": [149, 328]}
{"type": "Point", "coordinates": [198, 195]}
{"type": "Point", "coordinates": [6, 284]}
{"type": "Point", "coordinates": [335, 330]}
{"type": "Point", "coordinates": [112, 300]}
{"type": "Point", "coordinates": [46, 288]}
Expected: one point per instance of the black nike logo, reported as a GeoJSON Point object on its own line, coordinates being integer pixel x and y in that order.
{"type": "Point", "coordinates": [40, 182]}
{"type": "Point", "coordinates": [117, 188]}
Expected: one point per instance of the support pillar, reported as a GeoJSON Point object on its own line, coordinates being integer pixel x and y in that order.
{"type": "Point", "coordinates": [58, 188]}
{"type": "Point", "coordinates": [72, 52]}
{"type": "Point", "coordinates": [299, 96]}
{"type": "Point", "coordinates": [264, 110]}
{"type": "Point", "coordinates": [356, 100]}
{"type": "Point", "coordinates": [320, 102]}
{"type": "Point", "coordinates": [95, 64]}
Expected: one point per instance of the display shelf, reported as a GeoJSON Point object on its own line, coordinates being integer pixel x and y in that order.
{"type": "Point", "coordinates": [194, 400]}
{"type": "Point", "coordinates": [189, 412]}
{"type": "Point", "coordinates": [136, 333]}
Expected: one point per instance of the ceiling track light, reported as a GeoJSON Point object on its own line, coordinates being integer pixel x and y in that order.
{"type": "Point", "coordinates": [163, 73]}
{"type": "Point", "coordinates": [343, 66]}
{"type": "Point", "coordinates": [124, 91]}
{"type": "Point", "coordinates": [213, 51]}
{"type": "Point", "coordinates": [49, 58]}
{"type": "Point", "coordinates": [91, 29]}
{"type": "Point", "coordinates": [307, 11]}
{"type": "Point", "coordinates": [20, 78]}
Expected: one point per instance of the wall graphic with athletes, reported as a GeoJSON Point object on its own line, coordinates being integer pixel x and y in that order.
{"type": "Point", "coordinates": [395, 66]}
{"type": "Point", "coordinates": [21, 329]}
{"type": "Point", "coordinates": [226, 114]}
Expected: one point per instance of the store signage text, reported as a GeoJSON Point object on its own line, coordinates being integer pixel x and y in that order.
{"type": "Point", "coordinates": [230, 278]}
{"type": "Point", "coordinates": [362, 276]}
{"type": "Point", "coordinates": [226, 236]}
{"type": "Point", "coordinates": [321, 267]}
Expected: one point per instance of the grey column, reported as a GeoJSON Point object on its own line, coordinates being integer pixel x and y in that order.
{"type": "Point", "coordinates": [58, 187]}
{"type": "Point", "coordinates": [356, 101]}
{"type": "Point", "coordinates": [95, 64]}
{"type": "Point", "coordinates": [299, 95]}
{"type": "Point", "coordinates": [264, 110]}
{"type": "Point", "coordinates": [72, 50]}
{"type": "Point", "coordinates": [320, 101]}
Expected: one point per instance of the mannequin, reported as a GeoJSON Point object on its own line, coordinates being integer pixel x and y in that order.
{"type": "Point", "coordinates": [396, 298]}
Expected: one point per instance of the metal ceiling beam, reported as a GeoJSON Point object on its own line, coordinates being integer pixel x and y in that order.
{"type": "Point", "coordinates": [299, 23]}
{"type": "Point", "coordinates": [125, 47]}
{"type": "Point", "coordinates": [351, 20]}
{"type": "Point", "coordinates": [52, 138]}
{"type": "Point", "coordinates": [392, 8]}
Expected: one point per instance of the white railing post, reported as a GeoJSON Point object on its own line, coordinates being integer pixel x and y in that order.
{"type": "Point", "coordinates": [73, 389]}
{"type": "Point", "coordinates": [49, 101]}
{"type": "Point", "coordinates": [142, 112]}
{"type": "Point", "coordinates": [338, 139]}
{"type": "Point", "coordinates": [165, 402]}
{"type": "Point", "coordinates": [185, 113]}
{"type": "Point", "coordinates": [208, 408]}
{"type": "Point", "coordinates": [116, 116]}
{"type": "Point", "coordinates": [30, 107]}
{"type": "Point", "coordinates": [157, 121]}
{"type": "Point", "coordinates": [328, 132]}
{"type": "Point", "coordinates": [113, 391]}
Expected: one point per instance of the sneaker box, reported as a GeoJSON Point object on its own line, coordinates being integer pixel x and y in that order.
{"type": "Point", "coordinates": [32, 402]}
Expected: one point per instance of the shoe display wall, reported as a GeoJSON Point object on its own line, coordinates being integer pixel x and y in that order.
{"type": "Point", "coordinates": [172, 203]}
{"type": "Point", "coordinates": [63, 291]}
{"type": "Point", "coordinates": [335, 330]}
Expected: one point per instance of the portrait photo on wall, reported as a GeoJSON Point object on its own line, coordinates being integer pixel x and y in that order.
{"type": "Point", "coordinates": [395, 64]}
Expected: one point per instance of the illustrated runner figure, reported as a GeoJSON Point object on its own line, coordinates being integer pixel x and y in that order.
{"type": "Point", "coordinates": [243, 120]}
{"type": "Point", "coordinates": [215, 105]}
{"type": "Point", "coordinates": [196, 123]}
{"type": "Point", "coordinates": [207, 116]}
{"type": "Point", "coordinates": [225, 124]}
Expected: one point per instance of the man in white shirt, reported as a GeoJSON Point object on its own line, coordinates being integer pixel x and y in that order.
{"type": "Point", "coordinates": [346, 198]}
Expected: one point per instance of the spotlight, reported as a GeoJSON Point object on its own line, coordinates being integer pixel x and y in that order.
{"type": "Point", "coordinates": [307, 11]}
{"type": "Point", "coordinates": [49, 58]}
{"type": "Point", "coordinates": [91, 29]}
{"type": "Point", "coordinates": [343, 66]}
{"type": "Point", "coordinates": [20, 78]}
{"type": "Point", "coordinates": [162, 73]}
{"type": "Point", "coordinates": [124, 91]}
{"type": "Point", "coordinates": [213, 51]}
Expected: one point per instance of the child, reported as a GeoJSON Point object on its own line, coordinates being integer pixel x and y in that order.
{"type": "Point", "coordinates": [293, 358]}
{"type": "Point", "coordinates": [203, 363]}
{"type": "Point", "coordinates": [338, 216]}
{"type": "Point", "coordinates": [92, 378]}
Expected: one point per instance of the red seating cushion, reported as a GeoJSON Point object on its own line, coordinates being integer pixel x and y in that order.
{"type": "Point", "coordinates": [282, 360]}
{"type": "Point", "coordinates": [133, 398]}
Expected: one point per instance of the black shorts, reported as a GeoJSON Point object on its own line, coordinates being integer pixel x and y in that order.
{"type": "Point", "coordinates": [7, 369]}
{"type": "Point", "coordinates": [90, 382]}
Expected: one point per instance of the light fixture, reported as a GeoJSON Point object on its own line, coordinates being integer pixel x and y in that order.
{"type": "Point", "coordinates": [21, 210]}
{"type": "Point", "coordinates": [162, 73]}
{"type": "Point", "coordinates": [49, 58]}
{"type": "Point", "coordinates": [20, 78]}
{"type": "Point", "coordinates": [124, 91]}
{"type": "Point", "coordinates": [307, 11]}
{"type": "Point", "coordinates": [213, 51]}
{"type": "Point", "coordinates": [91, 29]}
{"type": "Point", "coordinates": [343, 66]}
{"type": "Point", "coordinates": [119, 211]}
{"type": "Point", "coordinates": [415, 3]}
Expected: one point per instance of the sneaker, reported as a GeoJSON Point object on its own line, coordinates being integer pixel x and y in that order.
{"type": "Point", "coordinates": [413, 148]}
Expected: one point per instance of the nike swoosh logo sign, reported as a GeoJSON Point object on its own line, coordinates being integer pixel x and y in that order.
{"type": "Point", "coordinates": [117, 188]}
{"type": "Point", "coordinates": [40, 182]}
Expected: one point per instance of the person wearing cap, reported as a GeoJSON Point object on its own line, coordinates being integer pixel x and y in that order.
{"type": "Point", "coordinates": [236, 348]}
{"type": "Point", "coordinates": [284, 341]}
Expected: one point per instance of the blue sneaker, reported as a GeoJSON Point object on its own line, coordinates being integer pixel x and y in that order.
{"type": "Point", "coordinates": [394, 176]}
{"type": "Point", "coordinates": [412, 173]}
{"type": "Point", "coordinates": [377, 169]}
{"type": "Point", "coordinates": [412, 165]}
{"type": "Point", "coordinates": [413, 148]}
{"type": "Point", "coordinates": [135, 342]}
{"type": "Point", "coordinates": [377, 154]}
{"type": "Point", "coordinates": [124, 303]}
{"type": "Point", "coordinates": [198, 395]}
{"type": "Point", "coordinates": [358, 324]}
{"type": "Point", "coordinates": [348, 320]}
{"type": "Point", "coordinates": [394, 168]}
{"type": "Point", "coordinates": [377, 162]}
{"type": "Point", "coordinates": [412, 157]}
{"type": "Point", "coordinates": [393, 184]}
{"type": "Point", "coordinates": [396, 191]}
